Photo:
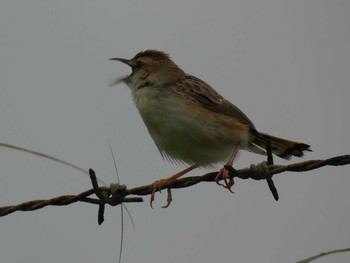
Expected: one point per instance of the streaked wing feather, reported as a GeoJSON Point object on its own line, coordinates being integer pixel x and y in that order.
{"type": "Point", "coordinates": [198, 91]}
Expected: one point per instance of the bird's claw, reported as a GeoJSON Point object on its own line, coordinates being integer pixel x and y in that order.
{"type": "Point", "coordinates": [157, 186]}
{"type": "Point", "coordinates": [224, 174]}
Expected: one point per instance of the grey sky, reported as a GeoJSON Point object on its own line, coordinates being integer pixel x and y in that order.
{"type": "Point", "coordinates": [286, 64]}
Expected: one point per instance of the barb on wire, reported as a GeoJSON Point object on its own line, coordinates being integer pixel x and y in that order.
{"type": "Point", "coordinates": [120, 194]}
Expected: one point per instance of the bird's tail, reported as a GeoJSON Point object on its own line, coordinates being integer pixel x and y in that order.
{"type": "Point", "coordinates": [281, 147]}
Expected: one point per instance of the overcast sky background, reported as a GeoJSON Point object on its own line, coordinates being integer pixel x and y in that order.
{"type": "Point", "coordinates": [286, 64]}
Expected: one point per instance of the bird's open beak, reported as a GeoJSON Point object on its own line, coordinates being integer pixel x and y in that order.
{"type": "Point", "coordinates": [116, 81]}
{"type": "Point", "coordinates": [125, 61]}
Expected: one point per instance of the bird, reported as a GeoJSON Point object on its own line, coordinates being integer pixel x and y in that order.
{"type": "Point", "coordinates": [190, 122]}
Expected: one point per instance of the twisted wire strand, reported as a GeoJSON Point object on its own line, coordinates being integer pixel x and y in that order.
{"type": "Point", "coordinates": [114, 197]}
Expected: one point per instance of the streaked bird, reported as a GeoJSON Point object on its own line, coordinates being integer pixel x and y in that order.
{"type": "Point", "coordinates": [190, 122]}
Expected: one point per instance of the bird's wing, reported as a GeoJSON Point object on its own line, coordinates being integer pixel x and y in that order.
{"type": "Point", "coordinates": [199, 92]}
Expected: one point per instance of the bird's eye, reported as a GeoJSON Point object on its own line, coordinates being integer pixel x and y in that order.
{"type": "Point", "coordinates": [137, 65]}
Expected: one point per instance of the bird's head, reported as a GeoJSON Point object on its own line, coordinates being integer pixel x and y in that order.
{"type": "Point", "coordinates": [149, 68]}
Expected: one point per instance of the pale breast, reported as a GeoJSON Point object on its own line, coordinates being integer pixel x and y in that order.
{"type": "Point", "coordinates": [186, 132]}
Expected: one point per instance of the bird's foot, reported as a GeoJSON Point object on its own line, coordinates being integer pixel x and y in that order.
{"type": "Point", "coordinates": [157, 186]}
{"type": "Point", "coordinates": [224, 174]}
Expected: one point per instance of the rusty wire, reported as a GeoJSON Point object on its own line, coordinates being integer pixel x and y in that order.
{"type": "Point", "coordinates": [117, 194]}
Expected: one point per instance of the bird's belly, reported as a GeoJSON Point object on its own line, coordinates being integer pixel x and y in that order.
{"type": "Point", "coordinates": [185, 132]}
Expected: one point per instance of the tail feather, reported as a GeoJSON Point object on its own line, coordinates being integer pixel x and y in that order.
{"type": "Point", "coordinates": [281, 147]}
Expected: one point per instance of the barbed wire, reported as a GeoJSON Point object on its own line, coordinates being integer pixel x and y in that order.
{"type": "Point", "coordinates": [117, 194]}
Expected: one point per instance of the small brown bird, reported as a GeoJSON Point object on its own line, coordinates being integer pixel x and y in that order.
{"type": "Point", "coordinates": [192, 123]}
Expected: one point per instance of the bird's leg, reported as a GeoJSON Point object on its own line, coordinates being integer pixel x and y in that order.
{"type": "Point", "coordinates": [224, 174]}
{"type": "Point", "coordinates": [159, 184]}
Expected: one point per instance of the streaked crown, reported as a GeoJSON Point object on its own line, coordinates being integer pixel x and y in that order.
{"type": "Point", "coordinates": [152, 67]}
